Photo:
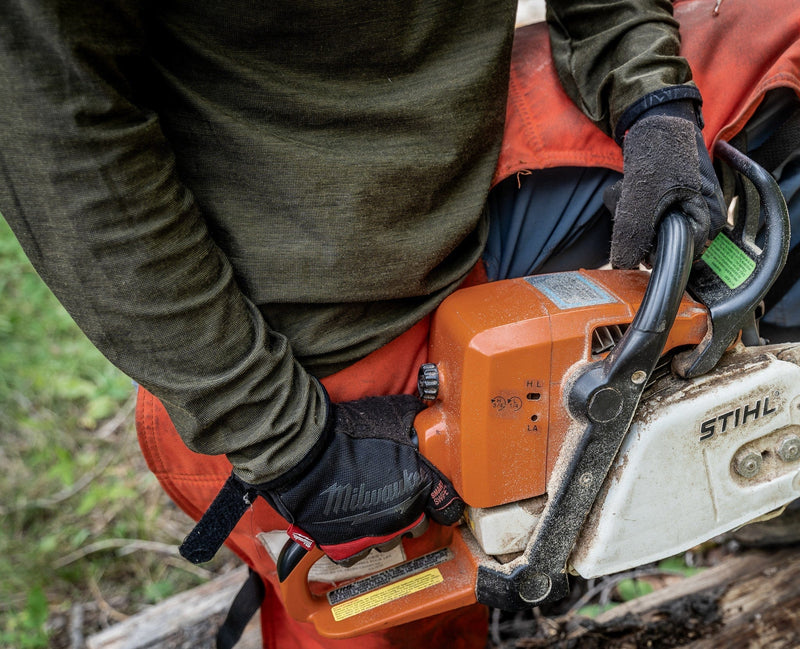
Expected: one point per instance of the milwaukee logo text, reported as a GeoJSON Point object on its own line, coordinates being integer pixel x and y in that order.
{"type": "Point", "coordinates": [347, 498]}
{"type": "Point", "coordinates": [735, 418]}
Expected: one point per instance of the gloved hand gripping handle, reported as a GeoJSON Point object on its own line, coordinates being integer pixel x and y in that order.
{"type": "Point", "coordinates": [363, 484]}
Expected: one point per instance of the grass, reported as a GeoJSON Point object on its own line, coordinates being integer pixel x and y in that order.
{"type": "Point", "coordinates": [85, 527]}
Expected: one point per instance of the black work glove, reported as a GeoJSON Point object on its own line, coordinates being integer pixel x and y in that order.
{"type": "Point", "coordinates": [363, 485]}
{"type": "Point", "coordinates": [666, 166]}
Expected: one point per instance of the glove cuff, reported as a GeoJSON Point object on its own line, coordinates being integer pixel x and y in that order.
{"type": "Point", "coordinates": [675, 101]}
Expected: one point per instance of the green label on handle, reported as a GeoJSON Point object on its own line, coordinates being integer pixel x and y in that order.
{"type": "Point", "coordinates": [728, 261]}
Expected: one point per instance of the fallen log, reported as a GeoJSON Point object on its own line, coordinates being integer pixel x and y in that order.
{"type": "Point", "coordinates": [750, 601]}
{"type": "Point", "coordinates": [188, 620]}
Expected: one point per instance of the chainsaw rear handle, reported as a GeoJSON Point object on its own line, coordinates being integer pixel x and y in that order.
{"type": "Point", "coordinates": [732, 309]}
{"type": "Point", "coordinates": [439, 576]}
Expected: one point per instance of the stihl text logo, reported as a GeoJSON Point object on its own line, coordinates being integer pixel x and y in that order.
{"type": "Point", "coordinates": [735, 418]}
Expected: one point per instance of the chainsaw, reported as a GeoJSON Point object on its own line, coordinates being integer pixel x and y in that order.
{"type": "Point", "coordinates": [593, 421]}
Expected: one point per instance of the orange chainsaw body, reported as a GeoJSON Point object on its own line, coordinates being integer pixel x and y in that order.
{"type": "Point", "coordinates": [504, 352]}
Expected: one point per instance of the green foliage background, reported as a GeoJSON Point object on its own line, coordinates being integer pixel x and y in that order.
{"type": "Point", "coordinates": [83, 521]}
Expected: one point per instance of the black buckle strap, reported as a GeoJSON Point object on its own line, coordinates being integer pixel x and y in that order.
{"type": "Point", "coordinates": [247, 601]}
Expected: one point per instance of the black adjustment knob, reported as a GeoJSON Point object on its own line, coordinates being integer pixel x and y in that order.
{"type": "Point", "coordinates": [428, 382]}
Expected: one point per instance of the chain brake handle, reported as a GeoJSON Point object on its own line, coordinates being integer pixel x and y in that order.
{"type": "Point", "coordinates": [732, 310]}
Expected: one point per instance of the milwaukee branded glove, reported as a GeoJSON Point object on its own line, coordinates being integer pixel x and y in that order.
{"type": "Point", "coordinates": [362, 485]}
{"type": "Point", "coordinates": [666, 167]}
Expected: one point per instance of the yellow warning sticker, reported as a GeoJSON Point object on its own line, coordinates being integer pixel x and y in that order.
{"type": "Point", "coordinates": [387, 594]}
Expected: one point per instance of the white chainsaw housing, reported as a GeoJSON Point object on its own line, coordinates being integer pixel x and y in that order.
{"type": "Point", "coordinates": [702, 457]}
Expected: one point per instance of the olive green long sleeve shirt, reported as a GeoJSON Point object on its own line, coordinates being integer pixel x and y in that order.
{"type": "Point", "coordinates": [231, 198]}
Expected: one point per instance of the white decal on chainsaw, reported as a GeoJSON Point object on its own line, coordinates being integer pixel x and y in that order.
{"type": "Point", "coordinates": [570, 290]}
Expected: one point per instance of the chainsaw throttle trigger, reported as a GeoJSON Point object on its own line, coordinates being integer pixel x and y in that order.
{"type": "Point", "coordinates": [735, 273]}
{"type": "Point", "coordinates": [290, 556]}
{"type": "Point", "coordinates": [604, 398]}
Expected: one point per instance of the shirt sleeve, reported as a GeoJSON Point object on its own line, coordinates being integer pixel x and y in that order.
{"type": "Point", "coordinates": [609, 59]}
{"type": "Point", "coordinates": [88, 184]}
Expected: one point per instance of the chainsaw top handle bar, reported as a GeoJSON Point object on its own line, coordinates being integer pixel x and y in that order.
{"type": "Point", "coordinates": [604, 398]}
